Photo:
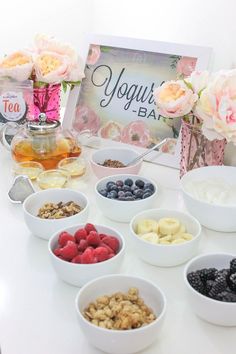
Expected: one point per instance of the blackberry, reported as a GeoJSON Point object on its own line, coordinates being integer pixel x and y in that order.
{"type": "Point", "coordinates": [226, 296]}
{"type": "Point", "coordinates": [219, 285]}
{"type": "Point", "coordinates": [233, 266]}
{"type": "Point", "coordinates": [207, 274]}
{"type": "Point", "coordinates": [208, 286]}
{"type": "Point", "coordinates": [223, 272]}
{"type": "Point", "coordinates": [195, 281]}
{"type": "Point", "coordinates": [232, 281]}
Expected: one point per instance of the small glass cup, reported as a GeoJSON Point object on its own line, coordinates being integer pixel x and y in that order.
{"type": "Point", "coordinates": [53, 179]}
{"type": "Point", "coordinates": [75, 166]}
{"type": "Point", "coordinates": [30, 169]}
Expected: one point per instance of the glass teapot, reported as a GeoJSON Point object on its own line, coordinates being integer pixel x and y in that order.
{"type": "Point", "coordinates": [42, 141]}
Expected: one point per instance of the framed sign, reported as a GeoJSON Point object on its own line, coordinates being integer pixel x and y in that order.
{"type": "Point", "coordinates": [115, 99]}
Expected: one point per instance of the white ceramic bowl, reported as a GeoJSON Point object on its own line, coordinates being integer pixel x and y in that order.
{"type": "Point", "coordinates": [166, 255]}
{"type": "Point", "coordinates": [120, 341]}
{"type": "Point", "coordinates": [210, 310]}
{"type": "Point", "coordinates": [44, 228]}
{"type": "Point", "coordinates": [119, 210]}
{"type": "Point", "coordinates": [124, 155]}
{"type": "Point", "coordinates": [80, 274]}
{"type": "Point", "coordinates": [215, 217]}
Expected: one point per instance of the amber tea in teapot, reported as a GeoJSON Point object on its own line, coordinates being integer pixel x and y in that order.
{"type": "Point", "coordinates": [43, 141]}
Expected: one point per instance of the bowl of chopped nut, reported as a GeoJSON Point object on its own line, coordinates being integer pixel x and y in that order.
{"type": "Point", "coordinates": [48, 211]}
{"type": "Point", "coordinates": [113, 161]}
{"type": "Point", "coordinates": [120, 313]}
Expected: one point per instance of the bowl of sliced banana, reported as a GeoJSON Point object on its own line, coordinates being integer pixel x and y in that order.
{"type": "Point", "coordinates": [165, 237]}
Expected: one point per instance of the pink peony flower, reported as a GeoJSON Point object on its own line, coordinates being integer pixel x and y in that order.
{"type": "Point", "coordinates": [136, 133]}
{"type": "Point", "coordinates": [86, 119]}
{"type": "Point", "coordinates": [51, 67]}
{"type": "Point", "coordinates": [111, 130]}
{"type": "Point", "coordinates": [44, 44]}
{"type": "Point", "coordinates": [169, 146]}
{"type": "Point", "coordinates": [186, 66]}
{"type": "Point", "coordinates": [94, 54]}
{"type": "Point", "coordinates": [217, 107]}
{"type": "Point", "coordinates": [17, 66]}
{"type": "Point", "coordinates": [198, 80]}
{"type": "Point", "coordinates": [174, 99]}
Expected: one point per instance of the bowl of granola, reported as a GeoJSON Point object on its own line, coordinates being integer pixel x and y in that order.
{"type": "Point", "coordinates": [120, 313]}
{"type": "Point", "coordinates": [47, 211]}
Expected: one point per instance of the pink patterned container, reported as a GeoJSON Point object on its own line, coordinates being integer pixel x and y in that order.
{"type": "Point", "coordinates": [46, 100]}
{"type": "Point", "coordinates": [197, 150]}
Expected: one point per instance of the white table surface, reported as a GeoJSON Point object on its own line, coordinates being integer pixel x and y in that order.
{"type": "Point", "coordinates": [37, 311]}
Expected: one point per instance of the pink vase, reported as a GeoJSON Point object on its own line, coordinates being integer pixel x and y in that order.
{"type": "Point", "coordinates": [197, 150]}
{"type": "Point", "coordinates": [46, 100]}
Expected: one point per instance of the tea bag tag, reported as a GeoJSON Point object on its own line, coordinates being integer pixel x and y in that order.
{"type": "Point", "coordinates": [21, 189]}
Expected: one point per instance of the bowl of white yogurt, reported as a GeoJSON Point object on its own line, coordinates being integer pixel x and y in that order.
{"type": "Point", "coordinates": [209, 194]}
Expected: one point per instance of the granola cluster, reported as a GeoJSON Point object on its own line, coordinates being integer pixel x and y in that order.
{"type": "Point", "coordinates": [59, 210]}
{"type": "Point", "coordinates": [119, 311]}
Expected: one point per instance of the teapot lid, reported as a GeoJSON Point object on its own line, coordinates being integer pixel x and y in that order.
{"type": "Point", "coordinates": [43, 125]}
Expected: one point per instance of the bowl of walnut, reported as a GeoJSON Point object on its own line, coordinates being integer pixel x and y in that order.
{"type": "Point", "coordinates": [120, 313]}
{"type": "Point", "coordinates": [47, 211]}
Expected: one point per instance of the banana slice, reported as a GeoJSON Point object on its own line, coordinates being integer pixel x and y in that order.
{"type": "Point", "coordinates": [177, 241]}
{"type": "Point", "coordinates": [146, 225]}
{"type": "Point", "coordinates": [166, 238]}
{"type": "Point", "coordinates": [181, 230]}
{"type": "Point", "coordinates": [151, 237]}
{"type": "Point", "coordinates": [187, 236]}
{"type": "Point", "coordinates": [169, 226]}
{"type": "Point", "coordinates": [164, 242]}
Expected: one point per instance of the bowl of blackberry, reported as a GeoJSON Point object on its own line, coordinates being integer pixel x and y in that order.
{"type": "Point", "coordinates": [210, 280]}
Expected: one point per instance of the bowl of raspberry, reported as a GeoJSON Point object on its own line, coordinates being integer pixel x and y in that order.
{"type": "Point", "coordinates": [210, 280]}
{"type": "Point", "coordinates": [121, 197]}
{"type": "Point", "coordinates": [84, 252]}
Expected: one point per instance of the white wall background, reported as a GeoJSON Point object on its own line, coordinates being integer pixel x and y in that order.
{"type": "Point", "coordinates": [203, 22]}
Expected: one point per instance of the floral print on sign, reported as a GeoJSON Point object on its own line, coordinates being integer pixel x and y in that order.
{"type": "Point", "coordinates": [136, 133]}
{"type": "Point", "coordinates": [86, 119]}
{"type": "Point", "coordinates": [111, 130]}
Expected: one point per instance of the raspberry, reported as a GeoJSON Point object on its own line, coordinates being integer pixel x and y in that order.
{"type": "Point", "coordinates": [82, 245]}
{"type": "Point", "coordinates": [64, 237]}
{"type": "Point", "coordinates": [196, 282]}
{"type": "Point", "coordinates": [111, 255]}
{"type": "Point", "coordinates": [112, 242]}
{"type": "Point", "coordinates": [102, 244]}
{"type": "Point", "coordinates": [88, 256]}
{"type": "Point", "coordinates": [57, 251]}
{"type": "Point", "coordinates": [69, 251]}
{"type": "Point", "coordinates": [233, 265]}
{"type": "Point", "coordinates": [226, 296]}
{"type": "Point", "coordinates": [101, 253]}
{"type": "Point", "coordinates": [232, 281]}
{"type": "Point", "coordinates": [93, 238]}
{"type": "Point", "coordinates": [218, 286]}
{"type": "Point", "coordinates": [102, 236]}
{"type": "Point", "coordinates": [89, 228]}
{"type": "Point", "coordinates": [80, 234]}
{"type": "Point", "coordinates": [76, 259]}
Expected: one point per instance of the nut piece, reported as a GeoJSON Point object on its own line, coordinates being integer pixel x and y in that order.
{"type": "Point", "coordinates": [120, 311]}
{"type": "Point", "coordinates": [59, 210]}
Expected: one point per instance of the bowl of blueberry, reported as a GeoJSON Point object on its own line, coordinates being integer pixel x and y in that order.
{"type": "Point", "coordinates": [120, 197]}
{"type": "Point", "coordinates": [210, 280]}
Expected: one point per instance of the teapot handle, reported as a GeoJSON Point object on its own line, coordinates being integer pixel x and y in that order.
{"type": "Point", "coordinates": [3, 134]}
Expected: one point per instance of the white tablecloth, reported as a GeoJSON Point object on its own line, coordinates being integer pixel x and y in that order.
{"type": "Point", "coordinates": [37, 311]}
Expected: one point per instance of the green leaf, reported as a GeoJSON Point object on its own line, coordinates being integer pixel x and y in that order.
{"type": "Point", "coordinates": [188, 85]}
{"type": "Point", "coordinates": [39, 84]}
{"type": "Point", "coordinates": [64, 86]}
{"type": "Point", "coordinates": [105, 49]}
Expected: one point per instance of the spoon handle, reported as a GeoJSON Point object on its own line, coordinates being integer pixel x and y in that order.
{"type": "Point", "coordinates": [147, 152]}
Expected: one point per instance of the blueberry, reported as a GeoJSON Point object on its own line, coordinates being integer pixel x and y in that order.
{"type": "Point", "coordinates": [139, 183]}
{"type": "Point", "coordinates": [128, 182]}
{"type": "Point", "coordinates": [126, 188]}
{"type": "Point", "coordinates": [148, 191]}
{"type": "Point", "coordinates": [149, 186]}
{"type": "Point", "coordinates": [113, 188]}
{"type": "Point", "coordinates": [121, 194]}
{"type": "Point", "coordinates": [129, 198]}
{"type": "Point", "coordinates": [119, 183]}
{"type": "Point", "coordinates": [134, 188]}
{"type": "Point", "coordinates": [138, 193]}
{"type": "Point", "coordinates": [109, 195]}
{"type": "Point", "coordinates": [103, 192]}
{"type": "Point", "coordinates": [110, 182]}
{"type": "Point", "coordinates": [128, 194]}
{"type": "Point", "coordinates": [113, 194]}
{"type": "Point", "coordinates": [121, 198]}
{"type": "Point", "coordinates": [146, 195]}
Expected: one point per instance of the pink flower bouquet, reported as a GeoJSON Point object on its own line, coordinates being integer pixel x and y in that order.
{"type": "Point", "coordinates": [204, 100]}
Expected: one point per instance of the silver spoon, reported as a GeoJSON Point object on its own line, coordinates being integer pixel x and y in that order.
{"type": "Point", "coordinates": [147, 152]}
